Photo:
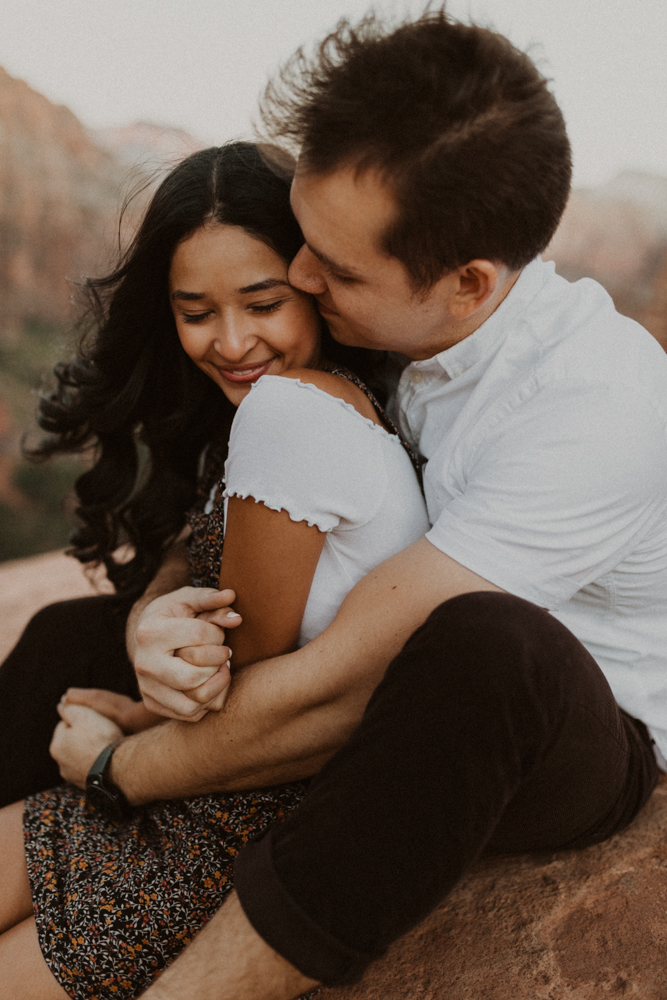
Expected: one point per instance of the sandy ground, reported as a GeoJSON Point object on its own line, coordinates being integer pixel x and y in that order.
{"type": "Point", "coordinates": [26, 585]}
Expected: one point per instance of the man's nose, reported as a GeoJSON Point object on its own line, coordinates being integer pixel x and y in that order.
{"type": "Point", "coordinates": [307, 272]}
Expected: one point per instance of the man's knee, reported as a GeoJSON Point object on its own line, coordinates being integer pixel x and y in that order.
{"type": "Point", "coordinates": [486, 614]}
{"type": "Point", "coordinates": [496, 641]}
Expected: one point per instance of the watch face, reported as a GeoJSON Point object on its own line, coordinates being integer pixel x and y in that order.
{"type": "Point", "coordinates": [103, 799]}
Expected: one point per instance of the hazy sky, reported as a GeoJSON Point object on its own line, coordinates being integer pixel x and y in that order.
{"type": "Point", "coordinates": [200, 64]}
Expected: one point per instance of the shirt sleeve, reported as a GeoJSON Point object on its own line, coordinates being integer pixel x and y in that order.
{"type": "Point", "coordinates": [294, 447]}
{"type": "Point", "coordinates": [559, 493]}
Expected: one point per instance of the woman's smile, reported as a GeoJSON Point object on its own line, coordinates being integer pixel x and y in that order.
{"type": "Point", "coordinates": [245, 373]}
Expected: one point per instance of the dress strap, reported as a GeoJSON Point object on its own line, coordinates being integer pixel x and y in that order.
{"type": "Point", "coordinates": [386, 419]}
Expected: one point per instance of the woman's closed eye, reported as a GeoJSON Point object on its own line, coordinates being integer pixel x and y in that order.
{"type": "Point", "coordinates": [266, 307]}
{"type": "Point", "coordinates": [195, 317]}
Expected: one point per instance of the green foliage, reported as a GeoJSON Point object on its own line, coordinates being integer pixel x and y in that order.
{"type": "Point", "coordinates": [44, 520]}
{"type": "Point", "coordinates": [30, 358]}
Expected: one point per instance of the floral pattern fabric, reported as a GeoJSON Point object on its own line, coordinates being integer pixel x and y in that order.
{"type": "Point", "coordinates": [116, 901]}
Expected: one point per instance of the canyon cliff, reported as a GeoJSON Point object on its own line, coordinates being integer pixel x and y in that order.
{"type": "Point", "coordinates": [59, 200]}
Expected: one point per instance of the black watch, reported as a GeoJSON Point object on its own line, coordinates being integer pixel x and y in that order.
{"type": "Point", "coordinates": [101, 791]}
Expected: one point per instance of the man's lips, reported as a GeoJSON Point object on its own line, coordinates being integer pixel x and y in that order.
{"type": "Point", "coordinates": [247, 373]}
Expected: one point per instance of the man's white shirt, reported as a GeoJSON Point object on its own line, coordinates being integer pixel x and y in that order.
{"type": "Point", "coordinates": [545, 439]}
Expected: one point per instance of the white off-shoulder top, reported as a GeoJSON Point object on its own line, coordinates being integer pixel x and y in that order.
{"type": "Point", "coordinates": [294, 447]}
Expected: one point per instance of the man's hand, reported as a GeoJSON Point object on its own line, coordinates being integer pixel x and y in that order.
{"type": "Point", "coordinates": [132, 716]}
{"type": "Point", "coordinates": [181, 661]}
{"type": "Point", "coordinates": [79, 739]}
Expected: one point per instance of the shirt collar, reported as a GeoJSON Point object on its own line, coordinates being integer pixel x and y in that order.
{"type": "Point", "coordinates": [479, 345]}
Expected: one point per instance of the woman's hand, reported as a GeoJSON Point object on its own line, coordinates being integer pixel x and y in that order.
{"type": "Point", "coordinates": [180, 658]}
{"type": "Point", "coordinates": [131, 716]}
{"type": "Point", "coordinates": [79, 739]}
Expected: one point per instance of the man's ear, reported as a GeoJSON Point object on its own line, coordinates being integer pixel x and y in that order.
{"type": "Point", "coordinates": [471, 286]}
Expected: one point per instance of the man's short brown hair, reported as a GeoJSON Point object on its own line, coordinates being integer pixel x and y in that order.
{"type": "Point", "coordinates": [459, 122]}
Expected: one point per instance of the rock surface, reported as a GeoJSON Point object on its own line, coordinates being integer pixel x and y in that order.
{"type": "Point", "coordinates": [578, 925]}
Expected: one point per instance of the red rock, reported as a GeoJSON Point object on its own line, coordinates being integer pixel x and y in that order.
{"type": "Point", "coordinates": [59, 197]}
{"type": "Point", "coordinates": [576, 925]}
{"type": "Point", "coordinates": [61, 189]}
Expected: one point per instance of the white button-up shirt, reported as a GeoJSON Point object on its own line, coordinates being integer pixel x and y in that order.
{"type": "Point", "coordinates": [545, 439]}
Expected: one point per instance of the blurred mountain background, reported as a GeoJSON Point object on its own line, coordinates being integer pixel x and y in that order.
{"type": "Point", "coordinates": [61, 189]}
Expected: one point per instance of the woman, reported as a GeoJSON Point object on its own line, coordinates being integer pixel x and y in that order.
{"type": "Point", "coordinates": [132, 394]}
{"type": "Point", "coordinates": [318, 489]}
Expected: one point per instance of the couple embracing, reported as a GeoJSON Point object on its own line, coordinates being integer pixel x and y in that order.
{"type": "Point", "coordinates": [414, 680]}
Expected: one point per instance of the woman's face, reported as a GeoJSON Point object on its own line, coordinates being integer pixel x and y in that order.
{"type": "Point", "coordinates": [237, 316]}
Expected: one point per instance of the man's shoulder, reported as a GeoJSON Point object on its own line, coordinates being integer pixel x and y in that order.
{"type": "Point", "coordinates": [576, 334]}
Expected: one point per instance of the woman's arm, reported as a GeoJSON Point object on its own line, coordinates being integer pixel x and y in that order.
{"type": "Point", "coordinates": [269, 562]}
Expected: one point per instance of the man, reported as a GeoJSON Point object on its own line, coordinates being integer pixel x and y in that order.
{"type": "Point", "coordinates": [434, 168]}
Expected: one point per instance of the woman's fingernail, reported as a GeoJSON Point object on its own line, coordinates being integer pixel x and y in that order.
{"type": "Point", "coordinates": [233, 614]}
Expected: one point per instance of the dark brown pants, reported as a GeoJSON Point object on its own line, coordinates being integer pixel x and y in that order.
{"type": "Point", "coordinates": [493, 730]}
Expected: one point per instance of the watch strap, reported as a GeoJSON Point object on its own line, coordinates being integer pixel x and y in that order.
{"type": "Point", "coordinates": [100, 790]}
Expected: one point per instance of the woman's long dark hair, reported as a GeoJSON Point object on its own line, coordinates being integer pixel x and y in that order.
{"type": "Point", "coordinates": [132, 384]}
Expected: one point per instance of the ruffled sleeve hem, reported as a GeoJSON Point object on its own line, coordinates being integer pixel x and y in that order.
{"type": "Point", "coordinates": [321, 522]}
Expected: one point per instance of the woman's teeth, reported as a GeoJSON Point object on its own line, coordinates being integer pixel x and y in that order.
{"type": "Point", "coordinates": [247, 373]}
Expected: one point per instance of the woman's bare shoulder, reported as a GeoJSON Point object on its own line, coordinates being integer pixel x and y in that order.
{"type": "Point", "coordinates": [336, 385]}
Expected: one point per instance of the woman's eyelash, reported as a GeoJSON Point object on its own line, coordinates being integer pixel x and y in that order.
{"type": "Point", "coordinates": [263, 308]}
{"type": "Point", "coordinates": [268, 307]}
{"type": "Point", "coordinates": [195, 317]}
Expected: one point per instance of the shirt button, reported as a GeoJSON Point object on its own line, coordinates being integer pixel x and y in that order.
{"type": "Point", "coordinates": [416, 378]}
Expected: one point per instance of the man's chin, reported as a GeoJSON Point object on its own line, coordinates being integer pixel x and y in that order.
{"type": "Point", "coordinates": [343, 334]}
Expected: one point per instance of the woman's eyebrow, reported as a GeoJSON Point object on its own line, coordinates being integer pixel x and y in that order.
{"type": "Point", "coordinates": [258, 286]}
{"type": "Point", "coordinates": [187, 296]}
{"type": "Point", "coordinates": [262, 286]}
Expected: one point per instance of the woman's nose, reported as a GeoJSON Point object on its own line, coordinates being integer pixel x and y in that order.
{"type": "Point", "coordinates": [307, 272]}
{"type": "Point", "coordinates": [234, 337]}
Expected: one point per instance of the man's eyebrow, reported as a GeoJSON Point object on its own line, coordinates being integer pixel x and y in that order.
{"type": "Point", "coordinates": [331, 263]}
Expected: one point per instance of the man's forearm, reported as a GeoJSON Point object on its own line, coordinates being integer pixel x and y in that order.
{"type": "Point", "coordinates": [261, 737]}
{"type": "Point", "coordinates": [172, 574]}
{"type": "Point", "coordinates": [285, 717]}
